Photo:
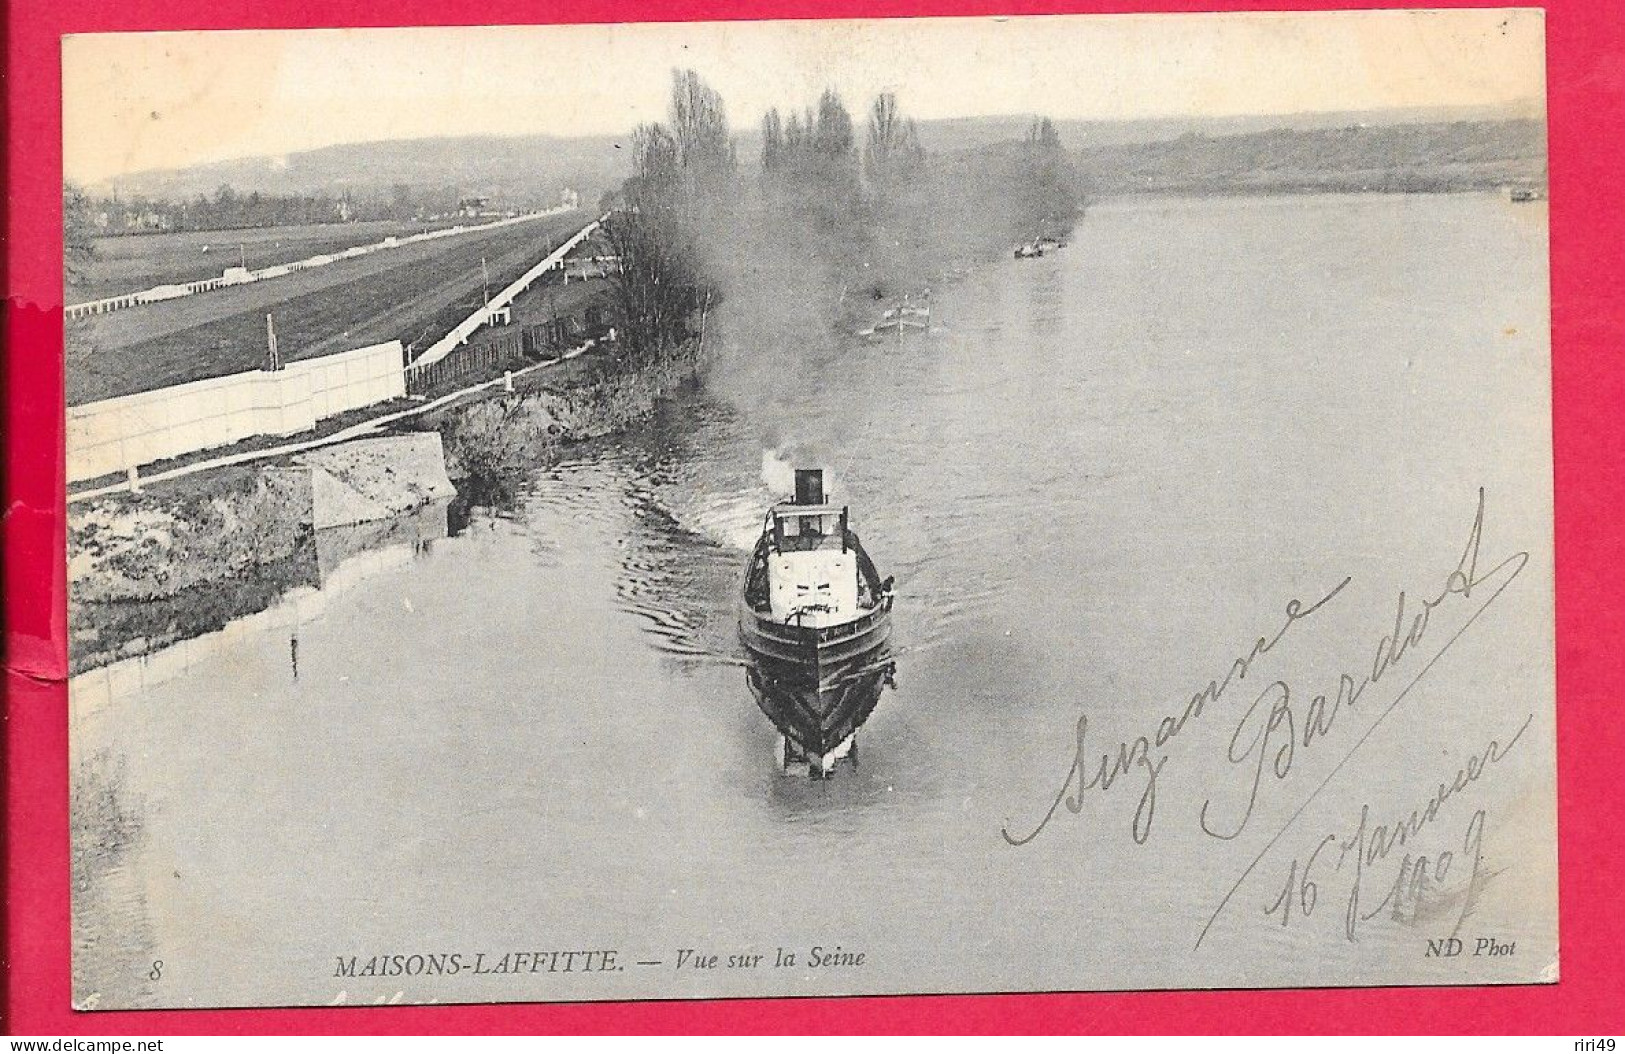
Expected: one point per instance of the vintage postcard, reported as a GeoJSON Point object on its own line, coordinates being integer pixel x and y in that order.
{"type": "Point", "coordinates": [753, 509]}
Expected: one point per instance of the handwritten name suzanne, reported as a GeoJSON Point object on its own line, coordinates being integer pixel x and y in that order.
{"type": "Point", "coordinates": [1136, 754]}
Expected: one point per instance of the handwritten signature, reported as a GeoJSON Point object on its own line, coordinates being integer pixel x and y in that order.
{"type": "Point", "coordinates": [1132, 754]}
{"type": "Point", "coordinates": [1464, 581]}
{"type": "Point", "coordinates": [1280, 724]}
{"type": "Point", "coordinates": [1419, 878]}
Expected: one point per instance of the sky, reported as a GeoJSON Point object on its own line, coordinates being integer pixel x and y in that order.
{"type": "Point", "coordinates": [139, 101]}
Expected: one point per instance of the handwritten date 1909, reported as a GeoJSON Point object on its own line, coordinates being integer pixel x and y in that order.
{"type": "Point", "coordinates": [1465, 581]}
{"type": "Point", "coordinates": [1419, 876]}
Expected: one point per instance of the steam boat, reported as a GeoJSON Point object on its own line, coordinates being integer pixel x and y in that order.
{"type": "Point", "coordinates": [815, 617]}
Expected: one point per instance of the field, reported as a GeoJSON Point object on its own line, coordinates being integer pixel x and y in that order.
{"type": "Point", "coordinates": [133, 262]}
{"type": "Point", "coordinates": [414, 293]}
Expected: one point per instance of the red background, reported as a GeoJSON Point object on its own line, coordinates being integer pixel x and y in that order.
{"type": "Point", "coordinates": [1586, 76]}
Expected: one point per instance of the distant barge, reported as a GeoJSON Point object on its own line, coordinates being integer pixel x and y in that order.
{"type": "Point", "coordinates": [1038, 247]}
{"type": "Point", "coordinates": [908, 317]}
{"type": "Point", "coordinates": [815, 619]}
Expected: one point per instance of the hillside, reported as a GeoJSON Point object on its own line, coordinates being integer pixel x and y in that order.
{"type": "Point", "coordinates": [1448, 156]}
{"type": "Point", "coordinates": [518, 171]}
{"type": "Point", "coordinates": [973, 132]}
{"type": "Point", "coordinates": [1414, 149]}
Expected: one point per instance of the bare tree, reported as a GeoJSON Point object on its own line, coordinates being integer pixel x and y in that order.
{"type": "Point", "coordinates": [884, 130]}
{"type": "Point", "coordinates": [893, 148]}
{"type": "Point", "coordinates": [773, 140]}
{"type": "Point", "coordinates": [675, 169]}
{"type": "Point", "coordinates": [699, 121]}
{"type": "Point", "coordinates": [656, 165]}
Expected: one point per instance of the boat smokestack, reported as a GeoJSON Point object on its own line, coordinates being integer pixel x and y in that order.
{"type": "Point", "coordinates": [809, 486]}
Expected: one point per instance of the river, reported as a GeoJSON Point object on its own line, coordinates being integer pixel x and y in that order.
{"type": "Point", "coordinates": [1098, 480]}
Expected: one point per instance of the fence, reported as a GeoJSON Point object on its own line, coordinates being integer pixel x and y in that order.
{"type": "Point", "coordinates": [148, 296]}
{"type": "Point", "coordinates": [463, 330]}
{"type": "Point", "coordinates": [519, 344]}
{"type": "Point", "coordinates": [132, 430]}
{"type": "Point", "coordinates": [239, 275]}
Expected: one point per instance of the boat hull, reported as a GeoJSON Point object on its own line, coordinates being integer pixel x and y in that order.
{"type": "Point", "coordinates": [817, 685]}
{"type": "Point", "coordinates": [819, 715]}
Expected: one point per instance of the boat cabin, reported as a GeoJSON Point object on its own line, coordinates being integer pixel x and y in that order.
{"type": "Point", "coordinates": [808, 569]}
{"type": "Point", "coordinates": [812, 573]}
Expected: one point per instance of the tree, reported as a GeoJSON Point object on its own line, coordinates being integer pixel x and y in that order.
{"type": "Point", "coordinates": [832, 138]}
{"type": "Point", "coordinates": [401, 206]}
{"type": "Point", "coordinates": [656, 282]}
{"type": "Point", "coordinates": [795, 140]}
{"type": "Point", "coordinates": [699, 123]}
{"type": "Point", "coordinates": [1050, 198]}
{"type": "Point", "coordinates": [674, 169]}
{"type": "Point", "coordinates": [884, 131]}
{"type": "Point", "coordinates": [656, 168]}
{"type": "Point", "coordinates": [772, 140]}
{"type": "Point", "coordinates": [78, 230]}
{"type": "Point", "coordinates": [893, 145]}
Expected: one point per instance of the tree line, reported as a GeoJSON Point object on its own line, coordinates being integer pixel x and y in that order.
{"type": "Point", "coordinates": [230, 209]}
{"type": "Point", "coordinates": [829, 213]}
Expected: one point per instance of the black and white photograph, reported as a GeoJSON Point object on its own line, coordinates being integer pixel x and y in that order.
{"type": "Point", "coordinates": [809, 508]}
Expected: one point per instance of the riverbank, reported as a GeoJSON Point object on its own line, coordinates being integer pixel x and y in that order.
{"type": "Point", "coordinates": [185, 556]}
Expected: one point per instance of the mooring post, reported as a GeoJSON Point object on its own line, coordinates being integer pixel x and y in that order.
{"type": "Point", "coordinates": [134, 476]}
{"type": "Point", "coordinates": [507, 380]}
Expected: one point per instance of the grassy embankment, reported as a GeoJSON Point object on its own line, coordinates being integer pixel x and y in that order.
{"type": "Point", "coordinates": [491, 444]}
{"type": "Point", "coordinates": [180, 559]}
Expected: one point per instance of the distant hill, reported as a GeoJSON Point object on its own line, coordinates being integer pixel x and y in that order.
{"type": "Point", "coordinates": [1447, 156]}
{"type": "Point", "coordinates": [1164, 153]}
{"type": "Point", "coordinates": [973, 132]}
{"type": "Point", "coordinates": [514, 171]}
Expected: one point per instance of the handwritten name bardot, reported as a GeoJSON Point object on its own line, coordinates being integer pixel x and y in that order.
{"type": "Point", "coordinates": [1279, 723]}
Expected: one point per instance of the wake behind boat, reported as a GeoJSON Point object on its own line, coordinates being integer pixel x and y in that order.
{"type": "Point", "coordinates": [815, 617]}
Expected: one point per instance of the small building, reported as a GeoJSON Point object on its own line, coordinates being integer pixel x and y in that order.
{"type": "Point", "coordinates": [580, 268]}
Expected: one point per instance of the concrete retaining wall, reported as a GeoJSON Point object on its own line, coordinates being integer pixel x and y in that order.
{"type": "Point", "coordinates": [114, 435]}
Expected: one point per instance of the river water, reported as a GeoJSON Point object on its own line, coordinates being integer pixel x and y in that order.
{"type": "Point", "coordinates": [1098, 481]}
